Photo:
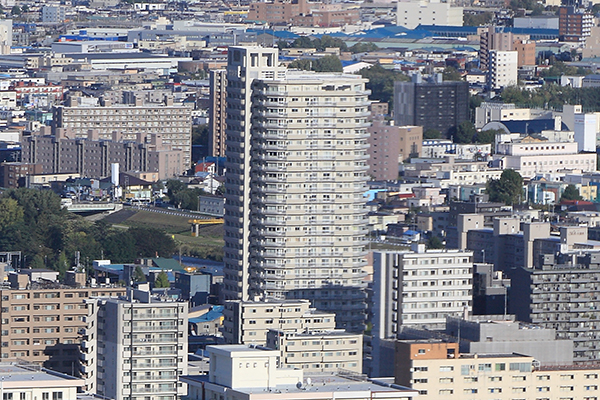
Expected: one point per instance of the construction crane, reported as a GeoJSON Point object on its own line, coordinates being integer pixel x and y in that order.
{"type": "Point", "coordinates": [197, 222]}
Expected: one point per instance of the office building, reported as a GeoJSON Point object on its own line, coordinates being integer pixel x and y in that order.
{"type": "Point", "coordinates": [132, 123]}
{"type": "Point", "coordinates": [325, 351]}
{"type": "Point", "coordinates": [24, 381]}
{"type": "Point", "coordinates": [248, 322]}
{"type": "Point", "coordinates": [502, 71]}
{"type": "Point", "coordinates": [574, 24]}
{"type": "Point", "coordinates": [218, 112]}
{"type": "Point", "coordinates": [562, 294]}
{"type": "Point", "coordinates": [247, 373]}
{"type": "Point", "coordinates": [135, 347]}
{"type": "Point", "coordinates": [391, 145]}
{"type": "Point", "coordinates": [92, 156]}
{"type": "Point", "coordinates": [412, 13]}
{"type": "Point", "coordinates": [433, 104]}
{"type": "Point", "coordinates": [41, 318]}
{"type": "Point", "coordinates": [436, 370]}
{"type": "Point", "coordinates": [295, 216]}
{"type": "Point", "coordinates": [501, 334]}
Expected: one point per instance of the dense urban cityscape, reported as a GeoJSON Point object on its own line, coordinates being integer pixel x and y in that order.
{"type": "Point", "coordinates": [299, 199]}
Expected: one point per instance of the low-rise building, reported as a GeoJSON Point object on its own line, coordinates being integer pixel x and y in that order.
{"type": "Point", "coordinates": [250, 373]}
{"type": "Point", "coordinates": [320, 351]}
{"type": "Point", "coordinates": [531, 156]}
{"type": "Point", "coordinates": [436, 369]}
{"type": "Point", "coordinates": [30, 382]}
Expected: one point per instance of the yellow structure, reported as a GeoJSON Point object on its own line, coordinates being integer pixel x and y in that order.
{"type": "Point", "coordinates": [197, 222]}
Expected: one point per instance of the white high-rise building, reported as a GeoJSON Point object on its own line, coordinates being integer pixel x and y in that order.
{"type": "Point", "coordinates": [295, 218]}
{"type": "Point", "coordinates": [136, 348]}
{"type": "Point", "coordinates": [503, 69]}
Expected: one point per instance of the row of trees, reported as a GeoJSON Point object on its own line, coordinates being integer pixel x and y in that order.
{"type": "Point", "coordinates": [508, 189]}
{"type": "Point", "coordinates": [553, 97]}
{"type": "Point", "coordinates": [32, 221]}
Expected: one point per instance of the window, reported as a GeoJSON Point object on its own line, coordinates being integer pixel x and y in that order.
{"type": "Point", "coordinates": [57, 395]}
{"type": "Point", "coordinates": [446, 368]}
{"type": "Point", "coordinates": [501, 367]}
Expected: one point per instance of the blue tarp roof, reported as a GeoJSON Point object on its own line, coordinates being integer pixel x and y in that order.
{"type": "Point", "coordinates": [215, 313]}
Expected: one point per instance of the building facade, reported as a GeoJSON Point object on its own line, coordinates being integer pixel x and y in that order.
{"type": "Point", "coordinates": [91, 156]}
{"type": "Point", "coordinates": [135, 348]}
{"type": "Point", "coordinates": [246, 373]}
{"type": "Point", "coordinates": [12, 174]}
{"type": "Point", "coordinates": [502, 69]}
{"type": "Point", "coordinates": [391, 145]}
{"type": "Point", "coordinates": [435, 105]}
{"type": "Point", "coordinates": [326, 351]}
{"type": "Point", "coordinates": [218, 112]}
{"type": "Point", "coordinates": [248, 322]}
{"type": "Point", "coordinates": [436, 370]}
{"type": "Point", "coordinates": [574, 25]}
{"type": "Point", "coordinates": [41, 321]}
{"type": "Point", "coordinates": [133, 123]}
{"type": "Point", "coordinates": [420, 288]}
{"type": "Point", "coordinates": [295, 217]}
{"type": "Point", "coordinates": [412, 13]}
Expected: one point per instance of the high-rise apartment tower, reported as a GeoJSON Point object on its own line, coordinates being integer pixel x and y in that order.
{"type": "Point", "coordinates": [295, 217]}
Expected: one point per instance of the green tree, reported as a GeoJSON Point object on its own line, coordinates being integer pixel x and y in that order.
{"type": "Point", "coordinates": [138, 275]}
{"type": "Point", "coordinates": [324, 64]}
{"type": "Point", "coordinates": [487, 136]}
{"type": "Point", "coordinates": [200, 135]}
{"type": "Point", "coordinates": [10, 213]}
{"type": "Point", "coordinates": [174, 186]}
{"type": "Point", "coordinates": [465, 132]}
{"type": "Point", "coordinates": [451, 74]}
{"type": "Point", "coordinates": [381, 82]}
{"type": "Point", "coordinates": [508, 189]}
{"type": "Point", "coordinates": [571, 193]}
{"type": "Point", "coordinates": [363, 47]}
{"type": "Point", "coordinates": [152, 242]}
{"type": "Point", "coordinates": [16, 11]}
{"type": "Point", "coordinates": [435, 242]}
{"type": "Point", "coordinates": [432, 134]}
{"type": "Point", "coordinates": [162, 280]}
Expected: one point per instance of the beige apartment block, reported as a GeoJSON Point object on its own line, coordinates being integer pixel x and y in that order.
{"type": "Point", "coordinates": [318, 351]}
{"type": "Point", "coordinates": [135, 348]}
{"type": "Point", "coordinates": [41, 322]}
{"type": "Point", "coordinates": [295, 215]}
{"type": "Point", "coordinates": [248, 322]}
{"type": "Point", "coordinates": [436, 370]}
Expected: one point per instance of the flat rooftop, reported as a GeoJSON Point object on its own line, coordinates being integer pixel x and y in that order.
{"type": "Point", "coordinates": [322, 383]}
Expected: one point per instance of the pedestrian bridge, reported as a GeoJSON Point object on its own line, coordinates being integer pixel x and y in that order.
{"type": "Point", "coordinates": [92, 208]}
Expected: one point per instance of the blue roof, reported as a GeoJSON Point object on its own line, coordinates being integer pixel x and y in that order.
{"type": "Point", "coordinates": [532, 126]}
{"type": "Point", "coordinates": [215, 313]}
